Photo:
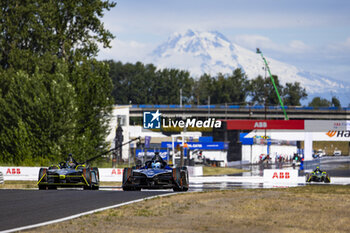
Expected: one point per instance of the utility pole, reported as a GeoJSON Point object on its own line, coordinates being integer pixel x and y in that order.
{"type": "Point", "coordinates": [118, 141]}
{"type": "Point", "coordinates": [265, 104]}
{"type": "Point", "coordinates": [273, 83]}
{"type": "Point", "coordinates": [208, 107]}
{"type": "Point", "coordinates": [180, 97]}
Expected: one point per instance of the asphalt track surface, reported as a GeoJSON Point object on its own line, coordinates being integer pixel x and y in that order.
{"type": "Point", "coordinates": [20, 208]}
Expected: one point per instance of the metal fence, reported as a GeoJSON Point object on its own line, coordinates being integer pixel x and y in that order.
{"type": "Point", "coordinates": [236, 107]}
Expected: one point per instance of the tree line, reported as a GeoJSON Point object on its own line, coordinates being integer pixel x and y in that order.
{"type": "Point", "coordinates": [145, 84]}
{"type": "Point", "coordinates": [54, 94]}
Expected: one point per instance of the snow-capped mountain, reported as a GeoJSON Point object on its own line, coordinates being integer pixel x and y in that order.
{"type": "Point", "coordinates": [211, 52]}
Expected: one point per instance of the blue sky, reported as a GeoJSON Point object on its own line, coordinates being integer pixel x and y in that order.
{"type": "Point", "coordinates": [313, 35]}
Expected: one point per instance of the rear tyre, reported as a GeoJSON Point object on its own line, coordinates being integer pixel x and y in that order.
{"type": "Point", "coordinates": [95, 178]}
{"type": "Point", "coordinates": [97, 173]}
{"type": "Point", "coordinates": [87, 176]}
{"type": "Point", "coordinates": [126, 175]}
{"type": "Point", "coordinates": [95, 187]}
{"type": "Point", "coordinates": [178, 186]}
{"type": "Point", "coordinates": [327, 179]}
{"type": "Point", "coordinates": [42, 172]}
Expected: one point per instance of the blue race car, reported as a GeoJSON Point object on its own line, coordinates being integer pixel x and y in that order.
{"type": "Point", "coordinates": [155, 174]}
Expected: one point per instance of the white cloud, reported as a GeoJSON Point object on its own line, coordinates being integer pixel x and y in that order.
{"type": "Point", "coordinates": [254, 41]}
{"type": "Point", "coordinates": [298, 46]}
{"type": "Point", "coordinates": [340, 47]}
{"type": "Point", "coordinates": [125, 51]}
{"type": "Point", "coordinates": [258, 41]}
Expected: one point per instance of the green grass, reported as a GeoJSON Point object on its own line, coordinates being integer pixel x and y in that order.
{"type": "Point", "coordinates": [212, 171]}
{"type": "Point", "coordinates": [102, 163]}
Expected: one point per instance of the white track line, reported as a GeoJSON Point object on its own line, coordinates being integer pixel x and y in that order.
{"type": "Point", "coordinates": [84, 213]}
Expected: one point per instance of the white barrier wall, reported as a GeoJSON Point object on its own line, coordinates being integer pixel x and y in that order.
{"type": "Point", "coordinates": [31, 173]}
{"type": "Point", "coordinates": [111, 174]}
{"type": "Point", "coordinates": [106, 174]}
{"type": "Point", "coordinates": [218, 155]}
{"type": "Point", "coordinates": [195, 171]}
{"type": "Point", "coordinates": [20, 173]}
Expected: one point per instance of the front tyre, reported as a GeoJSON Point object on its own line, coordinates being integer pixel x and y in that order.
{"type": "Point", "coordinates": [185, 180]}
{"type": "Point", "coordinates": [180, 180]}
{"type": "Point", "coordinates": [307, 178]}
{"type": "Point", "coordinates": [327, 179]}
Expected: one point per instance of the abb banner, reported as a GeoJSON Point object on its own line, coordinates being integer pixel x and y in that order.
{"type": "Point", "coordinates": [32, 173]}
{"type": "Point", "coordinates": [111, 174]}
{"type": "Point", "coordinates": [106, 174]}
{"type": "Point", "coordinates": [20, 173]}
{"type": "Point", "coordinates": [279, 176]}
{"type": "Point", "coordinates": [264, 124]}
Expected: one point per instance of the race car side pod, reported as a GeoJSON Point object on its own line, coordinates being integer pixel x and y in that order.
{"type": "Point", "coordinates": [111, 150]}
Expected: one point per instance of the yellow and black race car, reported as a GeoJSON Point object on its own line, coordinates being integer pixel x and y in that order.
{"type": "Point", "coordinates": [73, 174]}
{"type": "Point", "coordinates": [69, 174]}
{"type": "Point", "coordinates": [318, 176]}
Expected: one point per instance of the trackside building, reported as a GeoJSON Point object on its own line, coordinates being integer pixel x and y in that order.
{"type": "Point", "coordinates": [280, 136]}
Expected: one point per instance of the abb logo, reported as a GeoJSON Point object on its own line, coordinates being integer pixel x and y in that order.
{"type": "Point", "coordinates": [260, 125]}
{"type": "Point", "coordinates": [117, 172]}
{"type": "Point", "coordinates": [281, 175]}
{"type": "Point", "coordinates": [13, 171]}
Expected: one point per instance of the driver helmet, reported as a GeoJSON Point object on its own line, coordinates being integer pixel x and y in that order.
{"type": "Point", "coordinates": [70, 161]}
{"type": "Point", "coordinates": [155, 164]}
{"type": "Point", "coordinates": [71, 164]}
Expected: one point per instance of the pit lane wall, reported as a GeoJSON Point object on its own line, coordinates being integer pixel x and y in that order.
{"type": "Point", "coordinates": [106, 174]}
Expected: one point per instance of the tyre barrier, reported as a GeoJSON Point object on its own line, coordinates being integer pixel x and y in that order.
{"type": "Point", "coordinates": [1, 178]}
